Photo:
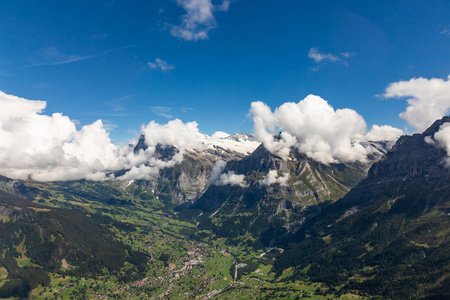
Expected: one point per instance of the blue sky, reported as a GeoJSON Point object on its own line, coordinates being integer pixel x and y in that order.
{"type": "Point", "coordinates": [130, 62]}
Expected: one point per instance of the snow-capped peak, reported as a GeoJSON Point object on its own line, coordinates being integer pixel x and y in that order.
{"type": "Point", "coordinates": [240, 142]}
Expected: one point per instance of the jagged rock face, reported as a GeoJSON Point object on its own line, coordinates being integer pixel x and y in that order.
{"type": "Point", "coordinates": [140, 144]}
{"type": "Point", "coordinates": [412, 157]}
{"type": "Point", "coordinates": [165, 153]}
{"type": "Point", "coordinates": [188, 180]}
{"type": "Point", "coordinates": [162, 152]}
{"type": "Point", "coordinates": [411, 164]}
{"type": "Point", "coordinates": [260, 207]}
{"type": "Point", "coordinates": [261, 160]}
{"type": "Point", "coordinates": [309, 182]}
{"type": "Point", "coordinates": [214, 154]}
{"type": "Point", "coordinates": [239, 137]}
{"type": "Point", "coordinates": [182, 183]}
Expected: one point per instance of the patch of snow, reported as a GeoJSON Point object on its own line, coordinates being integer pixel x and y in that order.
{"type": "Point", "coordinates": [240, 142]}
{"type": "Point", "coordinates": [129, 183]}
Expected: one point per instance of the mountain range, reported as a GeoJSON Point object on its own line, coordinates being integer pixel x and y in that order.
{"type": "Point", "coordinates": [379, 227]}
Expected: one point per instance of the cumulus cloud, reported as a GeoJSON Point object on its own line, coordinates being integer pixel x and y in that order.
{"type": "Point", "coordinates": [50, 147]}
{"type": "Point", "coordinates": [428, 100]}
{"type": "Point", "coordinates": [272, 178]}
{"type": "Point", "coordinates": [443, 136]}
{"type": "Point", "coordinates": [383, 133]}
{"type": "Point", "coordinates": [174, 133]}
{"type": "Point", "coordinates": [220, 135]}
{"type": "Point", "coordinates": [198, 20]}
{"type": "Point", "coordinates": [316, 129]}
{"type": "Point", "coordinates": [230, 178]}
{"type": "Point", "coordinates": [160, 64]}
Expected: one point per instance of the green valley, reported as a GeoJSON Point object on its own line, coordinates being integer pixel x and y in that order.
{"type": "Point", "coordinates": [163, 257]}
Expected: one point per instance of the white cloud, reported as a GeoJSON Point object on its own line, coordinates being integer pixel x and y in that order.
{"type": "Point", "coordinates": [319, 57]}
{"type": "Point", "coordinates": [230, 178]}
{"type": "Point", "coordinates": [445, 31]}
{"type": "Point", "coordinates": [224, 6]}
{"type": "Point", "coordinates": [169, 112]}
{"type": "Point", "coordinates": [441, 139]}
{"type": "Point", "coordinates": [49, 148]}
{"type": "Point", "coordinates": [383, 133]}
{"type": "Point", "coordinates": [118, 104]}
{"type": "Point", "coordinates": [315, 129]}
{"type": "Point", "coordinates": [236, 142]}
{"type": "Point", "coordinates": [323, 58]}
{"type": "Point", "coordinates": [174, 133]}
{"type": "Point", "coordinates": [272, 177]}
{"type": "Point", "coordinates": [160, 64]}
{"type": "Point", "coordinates": [198, 20]}
{"type": "Point", "coordinates": [443, 136]}
{"type": "Point", "coordinates": [347, 54]}
{"type": "Point", "coordinates": [51, 56]}
{"type": "Point", "coordinates": [429, 100]}
{"type": "Point", "coordinates": [220, 135]}
{"type": "Point", "coordinates": [140, 172]}
{"type": "Point", "coordinates": [163, 111]}
{"type": "Point", "coordinates": [217, 170]}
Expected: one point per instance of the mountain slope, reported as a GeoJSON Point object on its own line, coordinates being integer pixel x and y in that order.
{"type": "Point", "coordinates": [37, 239]}
{"type": "Point", "coordinates": [277, 194]}
{"type": "Point", "coordinates": [389, 236]}
{"type": "Point", "coordinates": [187, 181]}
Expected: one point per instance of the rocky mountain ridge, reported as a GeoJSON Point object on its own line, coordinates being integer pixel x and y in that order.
{"type": "Point", "coordinates": [274, 193]}
{"type": "Point", "coordinates": [188, 180]}
{"type": "Point", "coordinates": [389, 235]}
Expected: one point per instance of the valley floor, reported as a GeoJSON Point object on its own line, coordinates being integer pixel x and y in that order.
{"type": "Point", "coordinates": [180, 266]}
